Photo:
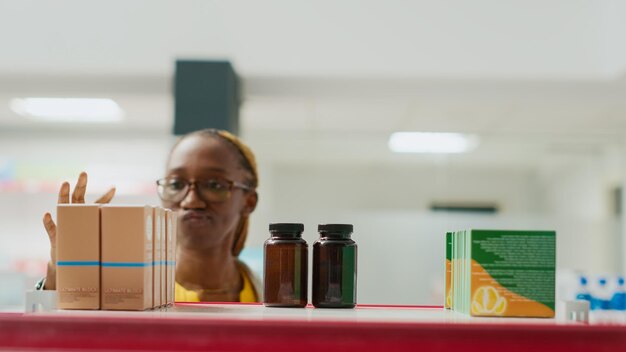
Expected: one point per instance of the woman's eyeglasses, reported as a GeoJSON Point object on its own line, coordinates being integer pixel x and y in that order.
{"type": "Point", "coordinates": [172, 189]}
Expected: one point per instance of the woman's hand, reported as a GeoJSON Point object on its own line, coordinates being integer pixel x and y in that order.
{"type": "Point", "coordinates": [78, 196]}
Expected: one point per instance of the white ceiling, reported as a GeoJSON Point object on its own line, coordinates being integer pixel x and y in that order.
{"type": "Point", "coordinates": [437, 38]}
{"type": "Point", "coordinates": [332, 79]}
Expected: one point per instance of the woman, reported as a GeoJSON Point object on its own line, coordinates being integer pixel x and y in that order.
{"type": "Point", "coordinates": [211, 179]}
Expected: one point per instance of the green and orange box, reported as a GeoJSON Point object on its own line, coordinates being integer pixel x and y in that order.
{"type": "Point", "coordinates": [501, 273]}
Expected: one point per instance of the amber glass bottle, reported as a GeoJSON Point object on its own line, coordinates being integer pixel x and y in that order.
{"type": "Point", "coordinates": [334, 267]}
{"type": "Point", "coordinates": [286, 264]}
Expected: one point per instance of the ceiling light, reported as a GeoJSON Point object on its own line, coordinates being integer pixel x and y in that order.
{"type": "Point", "coordinates": [432, 142]}
{"type": "Point", "coordinates": [87, 110]}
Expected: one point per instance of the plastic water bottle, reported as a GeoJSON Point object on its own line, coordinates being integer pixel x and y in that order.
{"type": "Point", "coordinates": [618, 301]}
{"type": "Point", "coordinates": [583, 290]}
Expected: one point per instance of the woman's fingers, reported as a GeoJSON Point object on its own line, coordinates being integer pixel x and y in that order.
{"type": "Point", "coordinates": [51, 229]}
{"type": "Point", "coordinates": [78, 196]}
{"type": "Point", "coordinates": [64, 193]}
{"type": "Point", "coordinates": [106, 198]}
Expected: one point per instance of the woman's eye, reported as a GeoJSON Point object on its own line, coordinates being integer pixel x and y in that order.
{"type": "Point", "coordinates": [176, 185]}
{"type": "Point", "coordinates": [214, 184]}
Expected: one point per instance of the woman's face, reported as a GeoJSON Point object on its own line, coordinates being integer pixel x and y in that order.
{"type": "Point", "coordinates": [202, 224]}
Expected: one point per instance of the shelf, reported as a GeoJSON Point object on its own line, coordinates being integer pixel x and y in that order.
{"type": "Point", "coordinates": [247, 327]}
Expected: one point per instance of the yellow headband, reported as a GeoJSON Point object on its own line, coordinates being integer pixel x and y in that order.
{"type": "Point", "coordinates": [245, 151]}
{"type": "Point", "coordinates": [242, 228]}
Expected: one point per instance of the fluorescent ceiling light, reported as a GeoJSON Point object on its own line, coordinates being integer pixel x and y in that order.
{"type": "Point", "coordinates": [432, 142]}
{"type": "Point", "coordinates": [87, 110]}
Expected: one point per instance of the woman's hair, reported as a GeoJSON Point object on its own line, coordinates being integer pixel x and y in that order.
{"type": "Point", "coordinates": [247, 162]}
{"type": "Point", "coordinates": [244, 153]}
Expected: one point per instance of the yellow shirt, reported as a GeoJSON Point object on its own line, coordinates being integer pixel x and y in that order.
{"type": "Point", "coordinates": [246, 295]}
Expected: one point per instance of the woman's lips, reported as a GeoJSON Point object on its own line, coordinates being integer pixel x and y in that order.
{"type": "Point", "coordinates": [195, 215]}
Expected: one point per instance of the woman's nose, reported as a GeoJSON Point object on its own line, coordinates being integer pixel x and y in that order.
{"type": "Point", "coordinates": [192, 200]}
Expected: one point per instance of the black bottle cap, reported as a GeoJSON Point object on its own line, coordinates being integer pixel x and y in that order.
{"type": "Point", "coordinates": [335, 228]}
{"type": "Point", "coordinates": [287, 227]}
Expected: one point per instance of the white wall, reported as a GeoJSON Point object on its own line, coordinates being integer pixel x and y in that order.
{"type": "Point", "coordinates": [613, 28]}
{"type": "Point", "coordinates": [580, 194]}
{"type": "Point", "coordinates": [130, 164]}
{"type": "Point", "coordinates": [400, 241]}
